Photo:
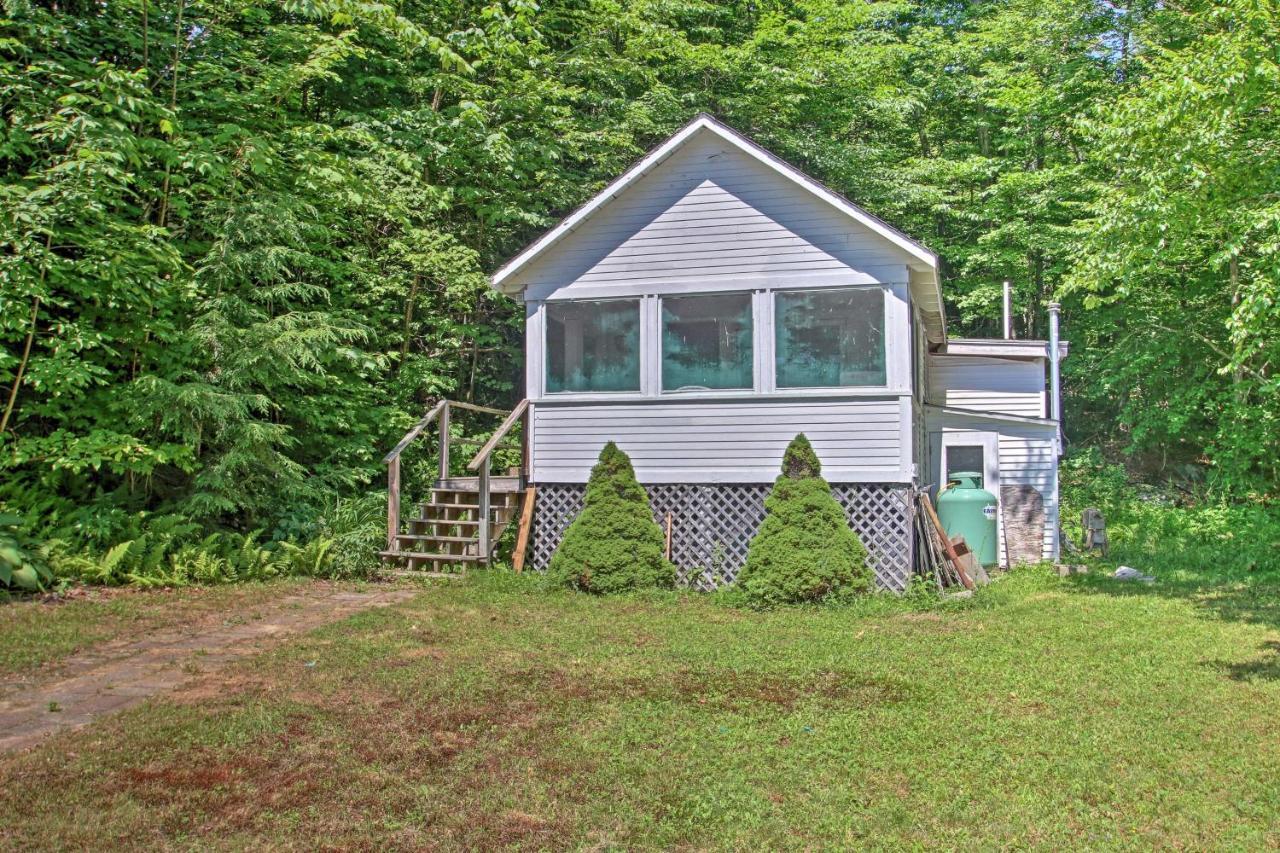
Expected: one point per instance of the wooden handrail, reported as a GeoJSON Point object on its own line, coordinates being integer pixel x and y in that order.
{"type": "Point", "coordinates": [501, 432]}
{"type": "Point", "coordinates": [472, 407]}
{"type": "Point", "coordinates": [415, 431]}
{"type": "Point", "coordinates": [480, 464]}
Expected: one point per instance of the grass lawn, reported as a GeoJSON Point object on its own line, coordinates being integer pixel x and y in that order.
{"type": "Point", "coordinates": [487, 713]}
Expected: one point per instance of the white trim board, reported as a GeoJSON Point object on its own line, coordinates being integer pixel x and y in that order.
{"type": "Point", "coordinates": [994, 416]}
{"type": "Point", "coordinates": [1003, 347]}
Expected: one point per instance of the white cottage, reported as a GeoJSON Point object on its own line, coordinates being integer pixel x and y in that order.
{"type": "Point", "coordinates": [713, 302]}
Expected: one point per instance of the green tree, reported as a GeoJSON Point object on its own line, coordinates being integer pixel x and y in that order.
{"type": "Point", "coordinates": [613, 545]}
{"type": "Point", "coordinates": [244, 243]}
{"type": "Point", "coordinates": [805, 550]}
{"type": "Point", "coordinates": [1180, 260]}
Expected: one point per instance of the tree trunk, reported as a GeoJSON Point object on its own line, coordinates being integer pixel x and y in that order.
{"type": "Point", "coordinates": [1237, 375]}
{"type": "Point", "coordinates": [408, 316]}
{"type": "Point", "coordinates": [22, 365]}
{"type": "Point", "coordinates": [31, 337]}
{"type": "Point", "coordinates": [173, 107]}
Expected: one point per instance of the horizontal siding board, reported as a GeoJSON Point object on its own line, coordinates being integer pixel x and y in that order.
{"type": "Point", "coordinates": [708, 442]}
{"type": "Point", "coordinates": [988, 384]}
{"type": "Point", "coordinates": [878, 424]}
{"type": "Point", "coordinates": [654, 271]}
{"type": "Point", "coordinates": [727, 228]}
{"type": "Point", "coordinates": [858, 440]}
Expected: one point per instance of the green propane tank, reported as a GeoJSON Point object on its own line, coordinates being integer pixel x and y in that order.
{"type": "Point", "coordinates": [965, 509]}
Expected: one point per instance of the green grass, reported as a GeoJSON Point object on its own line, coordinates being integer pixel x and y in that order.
{"type": "Point", "coordinates": [488, 713]}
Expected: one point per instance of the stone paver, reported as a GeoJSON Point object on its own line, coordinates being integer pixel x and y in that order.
{"type": "Point", "coordinates": [122, 674]}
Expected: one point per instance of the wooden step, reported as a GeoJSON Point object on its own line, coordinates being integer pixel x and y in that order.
{"type": "Point", "coordinates": [422, 573]}
{"type": "Point", "coordinates": [421, 557]}
{"type": "Point", "coordinates": [472, 484]}
{"type": "Point", "coordinates": [448, 522]}
{"type": "Point", "coordinates": [421, 537]}
{"type": "Point", "coordinates": [425, 505]}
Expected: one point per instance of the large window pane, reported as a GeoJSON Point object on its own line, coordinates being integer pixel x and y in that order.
{"type": "Point", "coordinates": [706, 342]}
{"type": "Point", "coordinates": [962, 458]}
{"type": "Point", "coordinates": [830, 338]}
{"type": "Point", "coordinates": [593, 346]}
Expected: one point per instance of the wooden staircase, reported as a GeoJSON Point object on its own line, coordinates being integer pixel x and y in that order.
{"type": "Point", "coordinates": [444, 535]}
{"type": "Point", "coordinates": [464, 518]}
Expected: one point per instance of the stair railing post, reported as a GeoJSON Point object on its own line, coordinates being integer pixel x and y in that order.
{"type": "Point", "coordinates": [444, 442]}
{"type": "Point", "coordinates": [484, 510]}
{"type": "Point", "coordinates": [393, 502]}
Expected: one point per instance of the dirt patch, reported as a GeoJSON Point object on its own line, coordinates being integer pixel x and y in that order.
{"type": "Point", "coordinates": [408, 745]}
{"type": "Point", "coordinates": [517, 828]}
{"type": "Point", "coordinates": [122, 674]}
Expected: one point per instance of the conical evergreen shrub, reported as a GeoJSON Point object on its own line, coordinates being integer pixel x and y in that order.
{"type": "Point", "coordinates": [804, 550]}
{"type": "Point", "coordinates": [613, 545]}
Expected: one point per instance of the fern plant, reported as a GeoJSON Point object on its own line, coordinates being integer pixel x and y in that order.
{"type": "Point", "coordinates": [21, 566]}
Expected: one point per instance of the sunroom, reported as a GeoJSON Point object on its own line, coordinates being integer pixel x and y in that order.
{"type": "Point", "coordinates": [718, 344]}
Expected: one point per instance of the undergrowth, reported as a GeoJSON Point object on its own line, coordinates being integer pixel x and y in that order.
{"type": "Point", "coordinates": [154, 550]}
{"type": "Point", "coordinates": [1171, 531]}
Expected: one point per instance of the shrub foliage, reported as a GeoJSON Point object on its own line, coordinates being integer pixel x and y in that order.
{"type": "Point", "coordinates": [613, 545]}
{"type": "Point", "coordinates": [804, 550]}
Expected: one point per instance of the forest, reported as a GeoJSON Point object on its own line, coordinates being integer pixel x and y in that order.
{"type": "Point", "coordinates": [244, 244]}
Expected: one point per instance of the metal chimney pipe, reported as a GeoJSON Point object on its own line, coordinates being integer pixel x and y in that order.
{"type": "Point", "coordinates": [1008, 311]}
{"type": "Point", "coordinates": [1055, 396]}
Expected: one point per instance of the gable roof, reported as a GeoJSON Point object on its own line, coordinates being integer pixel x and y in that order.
{"type": "Point", "coordinates": [926, 289]}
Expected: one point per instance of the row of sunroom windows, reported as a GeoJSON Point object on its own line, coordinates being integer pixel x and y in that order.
{"type": "Point", "coordinates": [826, 338]}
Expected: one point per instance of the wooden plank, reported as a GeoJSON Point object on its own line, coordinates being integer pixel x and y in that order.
{"type": "Point", "coordinates": [411, 573]}
{"type": "Point", "coordinates": [415, 431]}
{"type": "Point", "coordinates": [498, 435]}
{"type": "Point", "coordinates": [946, 542]}
{"type": "Point", "coordinates": [969, 560]}
{"type": "Point", "coordinates": [393, 501]}
{"type": "Point", "coordinates": [472, 407]}
{"type": "Point", "coordinates": [484, 512]}
{"type": "Point", "coordinates": [667, 549]}
{"type": "Point", "coordinates": [444, 441]}
{"type": "Point", "coordinates": [525, 443]}
{"type": "Point", "coordinates": [522, 533]}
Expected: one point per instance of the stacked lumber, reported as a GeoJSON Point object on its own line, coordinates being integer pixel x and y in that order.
{"type": "Point", "coordinates": [949, 560]}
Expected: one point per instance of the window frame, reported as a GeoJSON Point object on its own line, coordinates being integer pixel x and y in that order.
{"type": "Point", "coordinates": [641, 354]}
{"type": "Point", "coordinates": [753, 388]}
{"type": "Point", "coordinates": [887, 350]}
{"type": "Point", "coordinates": [898, 377]}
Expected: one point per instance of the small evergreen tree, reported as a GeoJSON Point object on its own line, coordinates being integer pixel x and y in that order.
{"type": "Point", "coordinates": [613, 545]}
{"type": "Point", "coordinates": [804, 550]}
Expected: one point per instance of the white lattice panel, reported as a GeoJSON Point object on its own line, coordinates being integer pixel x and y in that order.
{"type": "Point", "coordinates": [712, 526]}
{"type": "Point", "coordinates": [881, 516]}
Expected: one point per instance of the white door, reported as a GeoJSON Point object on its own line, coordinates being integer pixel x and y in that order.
{"type": "Point", "coordinates": [974, 450]}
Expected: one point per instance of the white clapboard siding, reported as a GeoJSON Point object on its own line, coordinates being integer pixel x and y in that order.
{"type": "Point", "coordinates": [1002, 385]}
{"type": "Point", "coordinates": [711, 213]}
{"type": "Point", "coordinates": [858, 440]}
{"type": "Point", "coordinates": [1028, 456]}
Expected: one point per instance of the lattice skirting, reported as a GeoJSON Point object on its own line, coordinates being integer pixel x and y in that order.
{"type": "Point", "coordinates": [713, 524]}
